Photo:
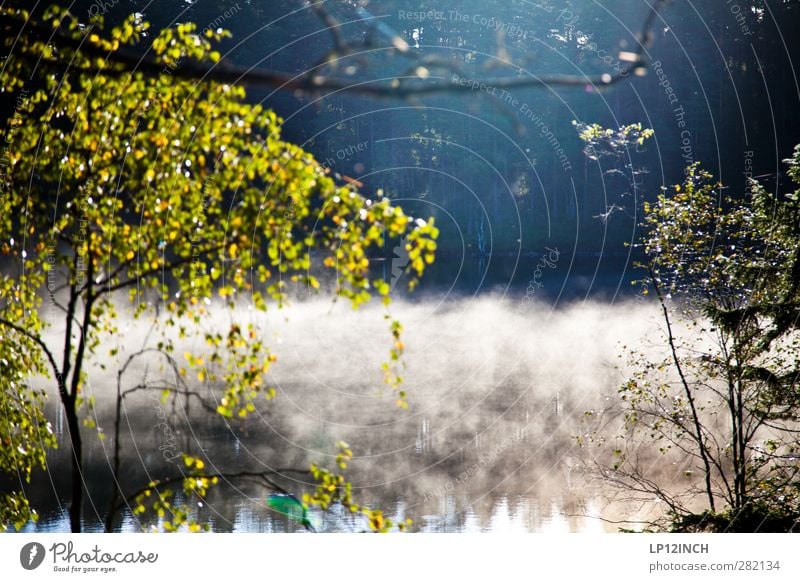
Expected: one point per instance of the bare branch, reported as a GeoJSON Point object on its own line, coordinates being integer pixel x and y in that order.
{"type": "Point", "coordinates": [698, 427]}
{"type": "Point", "coordinates": [125, 61]}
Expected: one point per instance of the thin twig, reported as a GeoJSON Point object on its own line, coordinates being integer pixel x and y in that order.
{"type": "Point", "coordinates": [313, 81]}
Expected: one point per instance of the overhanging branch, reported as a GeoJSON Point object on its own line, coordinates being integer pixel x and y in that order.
{"type": "Point", "coordinates": [126, 61]}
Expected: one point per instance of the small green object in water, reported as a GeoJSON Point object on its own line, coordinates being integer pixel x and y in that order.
{"type": "Point", "coordinates": [291, 507]}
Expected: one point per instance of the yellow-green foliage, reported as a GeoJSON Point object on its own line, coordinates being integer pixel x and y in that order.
{"type": "Point", "coordinates": [25, 434]}
{"type": "Point", "coordinates": [180, 193]}
{"type": "Point", "coordinates": [333, 487]}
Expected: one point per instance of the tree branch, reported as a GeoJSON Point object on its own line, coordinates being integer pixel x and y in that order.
{"type": "Point", "coordinates": [312, 81]}
{"type": "Point", "coordinates": [698, 427]}
{"type": "Point", "coordinates": [36, 339]}
{"type": "Point", "coordinates": [263, 476]}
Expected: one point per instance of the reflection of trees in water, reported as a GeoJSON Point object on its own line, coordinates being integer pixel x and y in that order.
{"type": "Point", "coordinates": [489, 469]}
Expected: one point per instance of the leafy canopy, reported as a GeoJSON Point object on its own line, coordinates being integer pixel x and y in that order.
{"type": "Point", "coordinates": [127, 181]}
{"type": "Point", "coordinates": [181, 194]}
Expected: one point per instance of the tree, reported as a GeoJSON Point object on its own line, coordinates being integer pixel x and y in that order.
{"type": "Point", "coordinates": [178, 194]}
{"type": "Point", "coordinates": [722, 407]}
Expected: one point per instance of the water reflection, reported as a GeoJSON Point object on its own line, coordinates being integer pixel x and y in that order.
{"type": "Point", "coordinates": [448, 504]}
{"type": "Point", "coordinates": [237, 508]}
{"type": "Point", "coordinates": [487, 446]}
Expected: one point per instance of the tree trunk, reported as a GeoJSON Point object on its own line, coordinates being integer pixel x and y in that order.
{"type": "Point", "coordinates": [76, 504]}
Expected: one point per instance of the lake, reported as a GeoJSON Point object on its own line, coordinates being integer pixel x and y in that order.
{"type": "Point", "coordinates": [497, 387]}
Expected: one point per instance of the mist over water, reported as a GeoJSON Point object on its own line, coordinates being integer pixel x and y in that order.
{"type": "Point", "coordinates": [497, 388]}
{"type": "Point", "coordinates": [516, 329]}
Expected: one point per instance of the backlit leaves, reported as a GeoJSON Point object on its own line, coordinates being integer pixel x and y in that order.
{"type": "Point", "coordinates": [333, 488]}
{"type": "Point", "coordinates": [158, 500]}
{"type": "Point", "coordinates": [179, 196]}
{"type": "Point", "coordinates": [25, 433]}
